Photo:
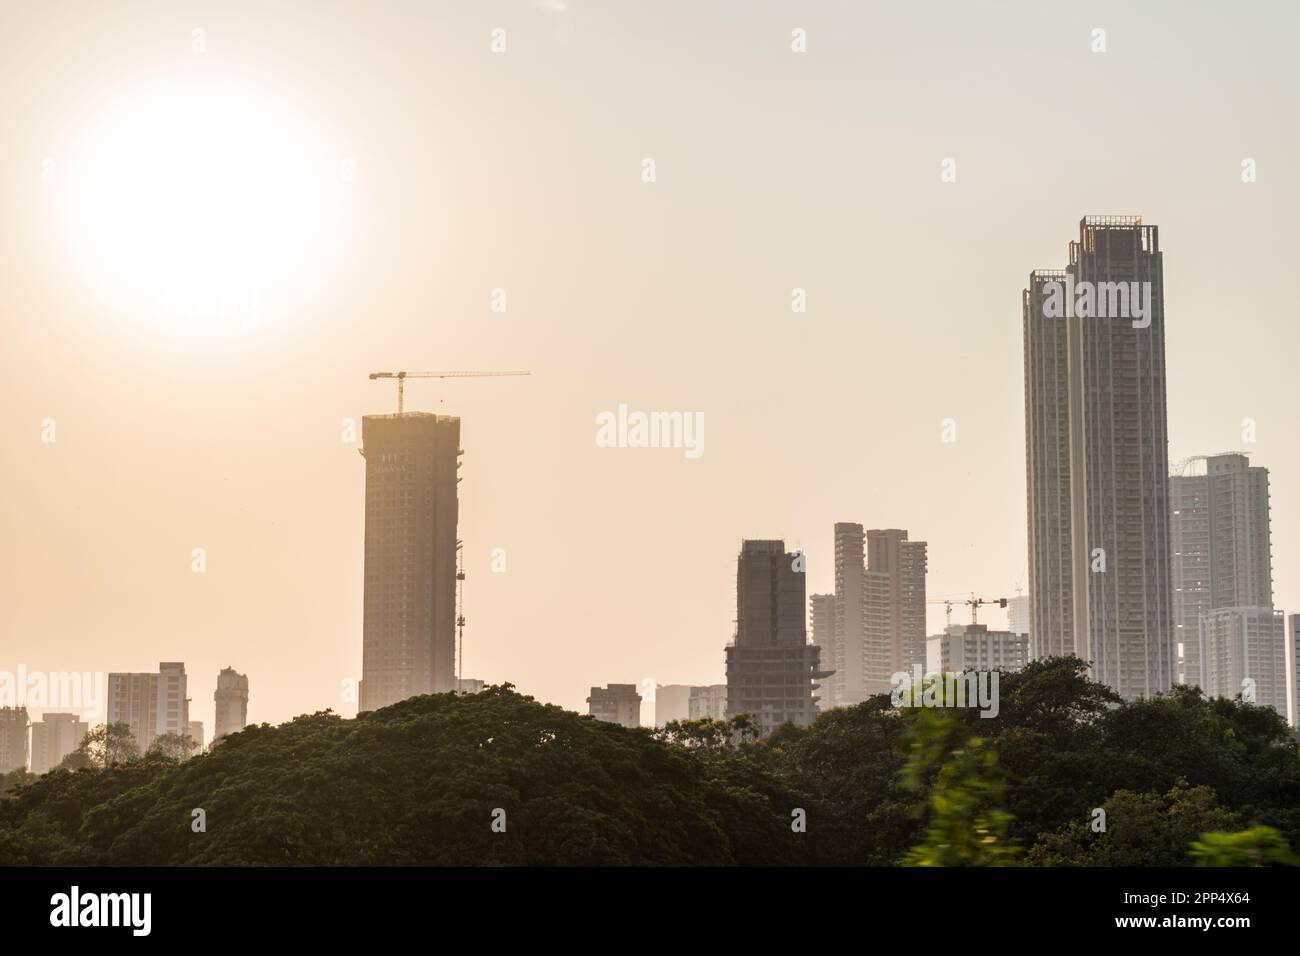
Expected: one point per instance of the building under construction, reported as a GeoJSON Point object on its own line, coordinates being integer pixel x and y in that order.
{"type": "Point", "coordinates": [409, 628]}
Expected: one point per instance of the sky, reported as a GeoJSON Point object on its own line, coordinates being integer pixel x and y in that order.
{"type": "Point", "coordinates": [218, 219]}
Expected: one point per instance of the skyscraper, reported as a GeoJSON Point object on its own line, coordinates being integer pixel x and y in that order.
{"type": "Point", "coordinates": [1220, 542]}
{"type": "Point", "coordinates": [409, 636]}
{"type": "Point", "coordinates": [1097, 457]}
{"type": "Point", "coordinates": [821, 621]}
{"type": "Point", "coordinates": [231, 700]}
{"type": "Point", "coordinates": [771, 668]}
{"type": "Point", "coordinates": [151, 704]}
{"type": "Point", "coordinates": [846, 655]}
{"type": "Point", "coordinates": [53, 738]}
{"type": "Point", "coordinates": [1293, 669]}
{"type": "Point", "coordinates": [895, 607]}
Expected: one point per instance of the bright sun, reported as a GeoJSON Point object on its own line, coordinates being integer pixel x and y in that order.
{"type": "Point", "coordinates": [197, 205]}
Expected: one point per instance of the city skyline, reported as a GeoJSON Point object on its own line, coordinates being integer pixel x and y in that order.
{"type": "Point", "coordinates": [172, 437]}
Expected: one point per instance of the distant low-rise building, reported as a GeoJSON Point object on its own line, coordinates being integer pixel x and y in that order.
{"type": "Point", "coordinates": [54, 738]}
{"type": "Point", "coordinates": [617, 703]}
{"type": "Point", "coordinates": [973, 647]}
{"type": "Point", "coordinates": [672, 702]}
{"type": "Point", "coordinates": [708, 700]}
{"type": "Point", "coordinates": [470, 685]}
{"type": "Point", "coordinates": [195, 732]}
{"type": "Point", "coordinates": [13, 739]}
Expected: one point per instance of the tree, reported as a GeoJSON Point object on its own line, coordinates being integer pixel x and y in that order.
{"type": "Point", "coordinates": [1258, 846]}
{"type": "Point", "coordinates": [967, 826]}
{"type": "Point", "coordinates": [108, 745]}
{"type": "Point", "coordinates": [1141, 829]}
{"type": "Point", "coordinates": [172, 747]}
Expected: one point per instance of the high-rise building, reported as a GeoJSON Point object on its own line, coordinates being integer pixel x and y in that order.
{"type": "Point", "coordinates": [409, 633]}
{"type": "Point", "coordinates": [899, 566]}
{"type": "Point", "coordinates": [973, 647]}
{"type": "Point", "coordinates": [876, 621]}
{"type": "Point", "coordinates": [53, 738]}
{"type": "Point", "coordinates": [708, 700]}
{"type": "Point", "coordinates": [1293, 669]}
{"type": "Point", "coordinates": [672, 702]}
{"type": "Point", "coordinates": [844, 652]}
{"type": "Point", "coordinates": [1243, 651]}
{"type": "Point", "coordinates": [1219, 538]}
{"type": "Point", "coordinates": [821, 624]}
{"type": "Point", "coordinates": [617, 704]}
{"type": "Point", "coordinates": [231, 700]}
{"type": "Point", "coordinates": [13, 739]}
{"type": "Point", "coordinates": [1097, 457]}
{"type": "Point", "coordinates": [1018, 614]}
{"type": "Point", "coordinates": [195, 732]}
{"type": "Point", "coordinates": [771, 668]}
{"type": "Point", "coordinates": [152, 704]}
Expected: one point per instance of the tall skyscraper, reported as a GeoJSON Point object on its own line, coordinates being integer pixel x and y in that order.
{"type": "Point", "coordinates": [846, 654]}
{"type": "Point", "coordinates": [1220, 542]}
{"type": "Point", "coordinates": [771, 668]}
{"type": "Point", "coordinates": [895, 602]}
{"type": "Point", "coordinates": [876, 625]}
{"type": "Point", "coordinates": [152, 704]}
{"type": "Point", "coordinates": [231, 700]}
{"type": "Point", "coordinates": [53, 738]}
{"type": "Point", "coordinates": [409, 633]}
{"type": "Point", "coordinates": [821, 621]}
{"type": "Point", "coordinates": [1293, 669]}
{"type": "Point", "coordinates": [1097, 457]}
{"type": "Point", "coordinates": [13, 739]}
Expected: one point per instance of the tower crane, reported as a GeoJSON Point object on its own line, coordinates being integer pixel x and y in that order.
{"type": "Point", "coordinates": [973, 602]}
{"type": "Point", "coordinates": [403, 376]}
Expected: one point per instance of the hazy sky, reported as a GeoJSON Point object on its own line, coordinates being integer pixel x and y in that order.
{"type": "Point", "coordinates": [357, 179]}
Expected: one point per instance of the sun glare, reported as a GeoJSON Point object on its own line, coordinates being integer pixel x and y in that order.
{"type": "Point", "coordinates": [196, 206]}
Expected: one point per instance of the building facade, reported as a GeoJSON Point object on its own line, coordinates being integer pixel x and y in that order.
{"type": "Point", "coordinates": [13, 739]}
{"type": "Point", "coordinates": [973, 647]}
{"type": "Point", "coordinates": [708, 701]}
{"type": "Point", "coordinates": [1097, 457]}
{"type": "Point", "coordinates": [231, 699]}
{"type": "Point", "coordinates": [54, 737]}
{"type": "Point", "coordinates": [1221, 547]}
{"type": "Point", "coordinates": [151, 704]}
{"type": "Point", "coordinates": [1243, 651]}
{"type": "Point", "coordinates": [616, 703]}
{"type": "Point", "coordinates": [672, 702]}
{"type": "Point", "coordinates": [772, 670]}
{"type": "Point", "coordinates": [409, 633]}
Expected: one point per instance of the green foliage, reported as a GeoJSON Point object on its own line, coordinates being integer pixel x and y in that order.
{"type": "Point", "coordinates": [1142, 829]}
{"type": "Point", "coordinates": [417, 782]}
{"type": "Point", "coordinates": [967, 826]}
{"type": "Point", "coordinates": [1258, 846]}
